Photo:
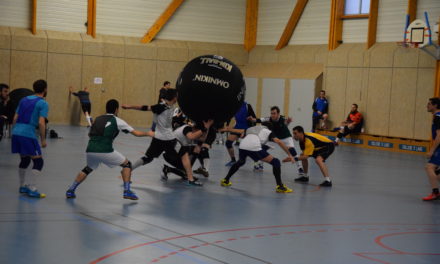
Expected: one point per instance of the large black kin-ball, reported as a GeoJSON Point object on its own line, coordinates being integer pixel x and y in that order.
{"type": "Point", "coordinates": [210, 87]}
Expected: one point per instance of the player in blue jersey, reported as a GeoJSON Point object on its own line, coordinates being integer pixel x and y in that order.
{"type": "Point", "coordinates": [242, 123]}
{"type": "Point", "coordinates": [434, 152]}
{"type": "Point", "coordinates": [320, 111]}
{"type": "Point", "coordinates": [31, 114]}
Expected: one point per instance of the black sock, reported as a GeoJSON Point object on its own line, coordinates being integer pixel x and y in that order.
{"type": "Point", "coordinates": [233, 159]}
{"type": "Point", "coordinates": [435, 190]}
{"type": "Point", "coordinates": [277, 174]}
{"type": "Point", "coordinates": [234, 168]}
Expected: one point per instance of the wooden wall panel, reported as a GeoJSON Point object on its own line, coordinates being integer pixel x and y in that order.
{"type": "Point", "coordinates": [27, 67]}
{"type": "Point", "coordinates": [403, 102]}
{"type": "Point", "coordinates": [335, 90]}
{"type": "Point", "coordinates": [5, 38]}
{"type": "Point", "coordinates": [423, 119]}
{"type": "Point", "coordinates": [406, 57]}
{"type": "Point", "coordinates": [353, 93]}
{"type": "Point", "coordinates": [382, 55]}
{"type": "Point", "coordinates": [22, 39]}
{"type": "Point", "coordinates": [92, 67]}
{"type": "Point", "coordinates": [139, 89]}
{"type": "Point", "coordinates": [5, 65]}
{"type": "Point", "coordinates": [378, 103]}
{"type": "Point", "coordinates": [113, 80]}
{"type": "Point", "coordinates": [167, 71]}
{"type": "Point", "coordinates": [64, 70]}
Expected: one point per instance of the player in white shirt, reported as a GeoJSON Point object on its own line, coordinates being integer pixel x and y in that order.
{"type": "Point", "coordinates": [252, 146]}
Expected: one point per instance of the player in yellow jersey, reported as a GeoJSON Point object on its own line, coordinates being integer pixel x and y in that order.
{"type": "Point", "coordinates": [316, 146]}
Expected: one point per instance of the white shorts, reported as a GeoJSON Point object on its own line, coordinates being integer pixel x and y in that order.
{"type": "Point", "coordinates": [288, 142]}
{"type": "Point", "coordinates": [112, 159]}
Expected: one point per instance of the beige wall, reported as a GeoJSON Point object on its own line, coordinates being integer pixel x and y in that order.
{"type": "Point", "coordinates": [132, 72]}
{"type": "Point", "coordinates": [390, 84]}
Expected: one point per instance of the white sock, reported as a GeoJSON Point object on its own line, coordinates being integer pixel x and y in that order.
{"type": "Point", "coordinates": [22, 176]}
{"type": "Point", "coordinates": [32, 180]}
{"type": "Point", "coordinates": [337, 140]}
{"type": "Point", "coordinates": [206, 164]}
{"type": "Point", "coordinates": [327, 179]}
{"type": "Point", "coordinates": [298, 163]}
{"type": "Point", "coordinates": [89, 120]}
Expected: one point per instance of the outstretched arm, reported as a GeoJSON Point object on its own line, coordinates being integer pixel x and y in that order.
{"type": "Point", "coordinates": [139, 133]}
{"type": "Point", "coordinates": [137, 107]}
{"type": "Point", "coordinates": [284, 147]}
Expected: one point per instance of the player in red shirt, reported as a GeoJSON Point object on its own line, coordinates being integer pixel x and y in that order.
{"type": "Point", "coordinates": [353, 123]}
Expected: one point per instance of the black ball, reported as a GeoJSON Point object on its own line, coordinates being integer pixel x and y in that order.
{"type": "Point", "coordinates": [210, 87]}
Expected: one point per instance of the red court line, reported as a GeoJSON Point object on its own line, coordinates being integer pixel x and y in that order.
{"type": "Point", "coordinates": [378, 241]}
{"type": "Point", "coordinates": [243, 229]}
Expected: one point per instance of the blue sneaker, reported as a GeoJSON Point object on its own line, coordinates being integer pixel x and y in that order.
{"type": "Point", "coordinates": [229, 164]}
{"type": "Point", "coordinates": [70, 194]}
{"type": "Point", "coordinates": [35, 194]}
{"type": "Point", "coordinates": [130, 195]}
{"type": "Point", "coordinates": [23, 189]}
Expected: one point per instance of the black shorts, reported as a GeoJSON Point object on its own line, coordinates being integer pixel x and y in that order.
{"type": "Point", "coordinates": [158, 146]}
{"type": "Point", "coordinates": [186, 149]}
{"type": "Point", "coordinates": [324, 152]}
{"type": "Point", "coordinates": [86, 107]}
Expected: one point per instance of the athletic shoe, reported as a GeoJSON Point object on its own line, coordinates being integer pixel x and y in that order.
{"type": "Point", "coordinates": [164, 174]}
{"type": "Point", "coordinates": [283, 189]}
{"type": "Point", "coordinates": [225, 183]}
{"type": "Point", "coordinates": [326, 184]}
{"type": "Point", "coordinates": [202, 171]}
{"type": "Point", "coordinates": [229, 164]}
{"type": "Point", "coordinates": [302, 179]}
{"type": "Point", "coordinates": [130, 195]}
{"type": "Point", "coordinates": [431, 197]}
{"type": "Point", "coordinates": [70, 194]}
{"type": "Point", "coordinates": [194, 183]}
{"type": "Point", "coordinates": [23, 189]}
{"type": "Point", "coordinates": [257, 167]}
{"type": "Point", "coordinates": [36, 194]}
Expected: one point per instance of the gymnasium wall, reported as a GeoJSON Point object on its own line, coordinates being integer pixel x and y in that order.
{"type": "Point", "coordinates": [211, 20]}
{"type": "Point", "coordinates": [132, 72]}
{"type": "Point", "coordinates": [390, 84]}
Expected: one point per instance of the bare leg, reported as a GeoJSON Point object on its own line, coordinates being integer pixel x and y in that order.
{"type": "Point", "coordinates": [432, 177]}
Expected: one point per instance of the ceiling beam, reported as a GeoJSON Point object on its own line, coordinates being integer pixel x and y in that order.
{"type": "Point", "coordinates": [291, 24]}
{"type": "Point", "coordinates": [372, 23]}
{"type": "Point", "coordinates": [34, 17]}
{"type": "Point", "coordinates": [412, 10]}
{"type": "Point", "coordinates": [250, 33]}
{"type": "Point", "coordinates": [91, 18]}
{"type": "Point", "coordinates": [335, 32]}
{"type": "Point", "coordinates": [161, 21]}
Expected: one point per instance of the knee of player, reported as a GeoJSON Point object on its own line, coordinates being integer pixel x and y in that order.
{"type": "Point", "coordinates": [87, 170]}
{"type": "Point", "coordinates": [126, 165]}
{"type": "Point", "coordinates": [38, 164]}
{"type": "Point", "coordinates": [275, 163]}
{"type": "Point", "coordinates": [229, 143]}
{"type": "Point", "coordinates": [24, 162]}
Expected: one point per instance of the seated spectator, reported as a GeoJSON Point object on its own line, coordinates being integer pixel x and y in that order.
{"type": "Point", "coordinates": [320, 112]}
{"type": "Point", "coordinates": [353, 123]}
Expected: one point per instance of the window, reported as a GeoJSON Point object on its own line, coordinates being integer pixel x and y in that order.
{"type": "Point", "coordinates": [357, 7]}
